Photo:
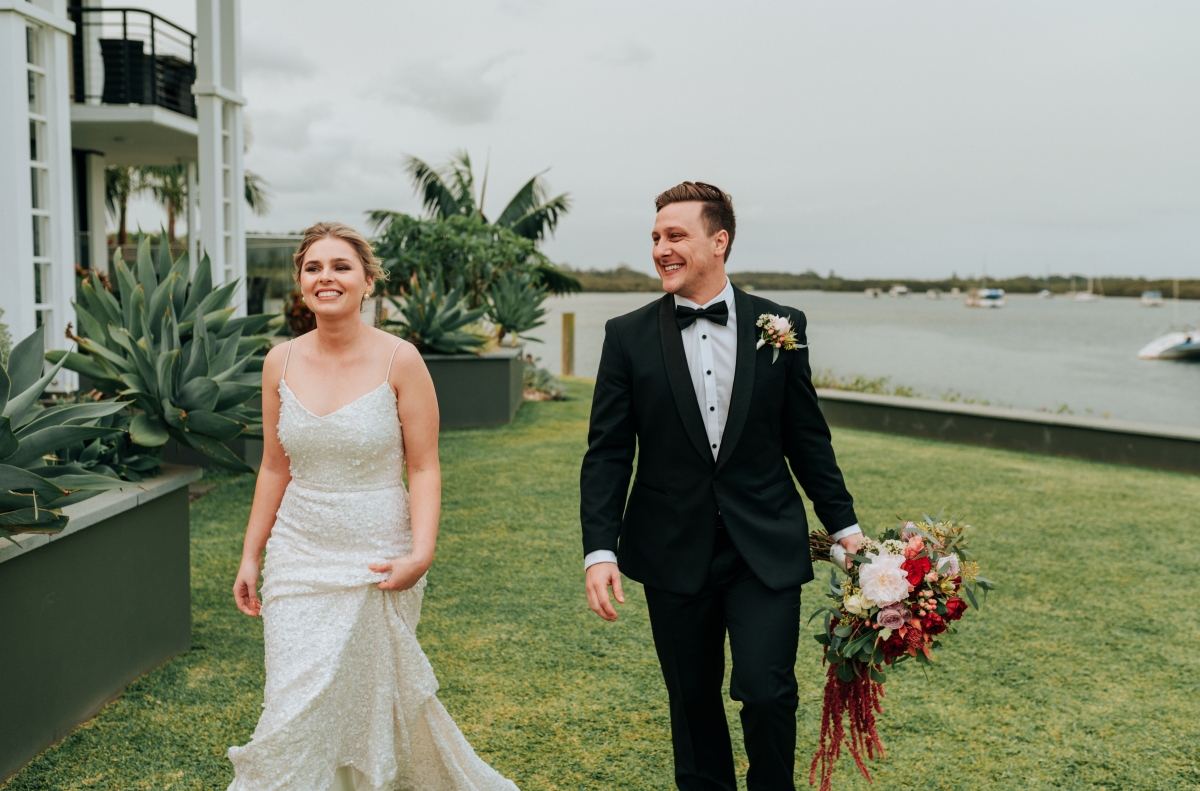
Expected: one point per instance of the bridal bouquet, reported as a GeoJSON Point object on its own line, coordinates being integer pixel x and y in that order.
{"type": "Point", "coordinates": [901, 595]}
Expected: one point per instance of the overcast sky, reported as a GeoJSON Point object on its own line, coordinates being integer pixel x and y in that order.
{"type": "Point", "coordinates": [872, 138]}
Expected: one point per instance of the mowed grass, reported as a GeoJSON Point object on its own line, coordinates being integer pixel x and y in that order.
{"type": "Point", "coordinates": [1080, 673]}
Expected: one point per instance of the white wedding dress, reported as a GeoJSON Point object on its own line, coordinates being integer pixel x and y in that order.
{"type": "Point", "coordinates": [350, 698]}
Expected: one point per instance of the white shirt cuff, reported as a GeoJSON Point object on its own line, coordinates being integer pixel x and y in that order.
{"type": "Point", "coordinates": [599, 556]}
{"type": "Point", "coordinates": [845, 531]}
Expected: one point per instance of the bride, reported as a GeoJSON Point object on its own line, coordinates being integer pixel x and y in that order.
{"type": "Point", "coordinates": [350, 698]}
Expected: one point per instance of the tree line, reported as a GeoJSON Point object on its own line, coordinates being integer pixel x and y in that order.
{"type": "Point", "coordinates": [625, 278]}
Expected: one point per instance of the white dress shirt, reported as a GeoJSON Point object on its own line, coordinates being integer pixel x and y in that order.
{"type": "Point", "coordinates": [711, 351]}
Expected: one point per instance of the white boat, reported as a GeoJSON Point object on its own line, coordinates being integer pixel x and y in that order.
{"type": "Point", "coordinates": [1152, 299]}
{"type": "Point", "coordinates": [1179, 345]}
{"type": "Point", "coordinates": [1045, 293]}
{"type": "Point", "coordinates": [1085, 296]}
{"type": "Point", "coordinates": [955, 293]}
{"type": "Point", "coordinates": [898, 291]}
{"type": "Point", "coordinates": [871, 293]}
{"type": "Point", "coordinates": [933, 293]}
{"type": "Point", "coordinates": [986, 298]}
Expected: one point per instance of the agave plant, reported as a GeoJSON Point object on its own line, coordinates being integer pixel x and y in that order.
{"type": "Point", "coordinates": [433, 321]}
{"type": "Point", "coordinates": [516, 305]}
{"type": "Point", "coordinates": [171, 346]}
{"type": "Point", "coordinates": [34, 483]}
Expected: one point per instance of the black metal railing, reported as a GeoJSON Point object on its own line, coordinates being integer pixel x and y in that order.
{"type": "Point", "coordinates": [141, 57]}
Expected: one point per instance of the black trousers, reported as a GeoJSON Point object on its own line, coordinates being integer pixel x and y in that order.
{"type": "Point", "coordinates": [689, 635]}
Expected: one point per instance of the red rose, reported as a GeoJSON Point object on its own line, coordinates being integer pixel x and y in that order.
{"type": "Point", "coordinates": [894, 646]}
{"type": "Point", "coordinates": [917, 568]}
{"type": "Point", "coordinates": [933, 624]}
{"type": "Point", "coordinates": [955, 608]}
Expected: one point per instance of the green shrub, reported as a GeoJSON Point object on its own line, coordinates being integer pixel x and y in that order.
{"type": "Point", "coordinates": [35, 484]}
{"type": "Point", "coordinates": [434, 321]}
{"type": "Point", "coordinates": [168, 343]}
{"type": "Point", "coordinates": [464, 253]}
{"type": "Point", "coordinates": [516, 305]}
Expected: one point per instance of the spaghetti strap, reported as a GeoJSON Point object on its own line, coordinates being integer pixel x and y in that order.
{"type": "Point", "coordinates": [286, 357]}
{"type": "Point", "coordinates": [391, 359]}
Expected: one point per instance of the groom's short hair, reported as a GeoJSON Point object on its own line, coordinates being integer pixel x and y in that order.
{"type": "Point", "coordinates": [716, 211]}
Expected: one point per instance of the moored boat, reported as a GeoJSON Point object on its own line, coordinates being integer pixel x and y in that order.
{"type": "Point", "coordinates": [1177, 345]}
{"type": "Point", "coordinates": [986, 298]}
{"type": "Point", "coordinates": [1152, 299]}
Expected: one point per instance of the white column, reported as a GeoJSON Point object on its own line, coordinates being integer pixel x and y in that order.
{"type": "Point", "coordinates": [16, 262]}
{"type": "Point", "coordinates": [219, 114]}
{"type": "Point", "coordinates": [36, 211]}
{"type": "Point", "coordinates": [97, 220]}
{"type": "Point", "coordinates": [193, 215]}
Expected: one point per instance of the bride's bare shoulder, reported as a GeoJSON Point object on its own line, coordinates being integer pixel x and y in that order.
{"type": "Point", "coordinates": [273, 364]}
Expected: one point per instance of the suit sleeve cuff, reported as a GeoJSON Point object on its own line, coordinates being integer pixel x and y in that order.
{"type": "Point", "coordinates": [838, 536]}
{"type": "Point", "coordinates": [601, 556]}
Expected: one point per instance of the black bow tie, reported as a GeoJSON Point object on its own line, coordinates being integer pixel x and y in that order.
{"type": "Point", "coordinates": [717, 313]}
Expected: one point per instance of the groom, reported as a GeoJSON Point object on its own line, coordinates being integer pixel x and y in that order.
{"type": "Point", "coordinates": [713, 526]}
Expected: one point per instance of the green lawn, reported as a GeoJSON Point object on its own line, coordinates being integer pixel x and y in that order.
{"type": "Point", "coordinates": [1082, 672]}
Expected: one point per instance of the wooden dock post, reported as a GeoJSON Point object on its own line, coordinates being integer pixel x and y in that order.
{"type": "Point", "coordinates": [568, 344]}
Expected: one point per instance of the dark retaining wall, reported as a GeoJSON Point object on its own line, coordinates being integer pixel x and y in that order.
{"type": "Point", "coordinates": [1114, 441]}
{"type": "Point", "coordinates": [87, 612]}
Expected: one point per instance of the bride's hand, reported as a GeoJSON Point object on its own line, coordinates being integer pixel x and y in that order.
{"type": "Point", "coordinates": [245, 590]}
{"type": "Point", "coordinates": [402, 573]}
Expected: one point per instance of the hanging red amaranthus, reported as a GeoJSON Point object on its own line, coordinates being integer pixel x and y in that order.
{"type": "Point", "coordinates": [901, 595]}
{"type": "Point", "coordinates": [858, 698]}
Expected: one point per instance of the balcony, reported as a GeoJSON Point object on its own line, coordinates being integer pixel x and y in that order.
{"type": "Point", "coordinates": [132, 74]}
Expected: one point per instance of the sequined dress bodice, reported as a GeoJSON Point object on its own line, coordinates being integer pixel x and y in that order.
{"type": "Point", "coordinates": [355, 448]}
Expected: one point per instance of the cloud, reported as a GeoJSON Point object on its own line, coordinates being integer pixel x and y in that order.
{"type": "Point", "coordinates": [459, 94]}
{"type": "Point", "coordinates": [288, 131]}
{"type": "Point", "coordinates": [272, 59]}
{"type": "Point", "coordinates": [630, 54]}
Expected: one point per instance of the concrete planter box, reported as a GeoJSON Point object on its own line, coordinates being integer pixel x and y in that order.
{"type": "Point", "coordinates": [89, 610]}
{"type": "Point", "coordinates": [478, 389]}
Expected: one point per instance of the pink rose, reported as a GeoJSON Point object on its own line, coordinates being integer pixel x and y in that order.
{"type": "Point", "coordinates": [916, 545]}
{"type": "Point", "coordinates": [893, 616]}
{"type": "Point", "coordinates": [948, 566]}
{"type": "Point", "coordinates": [781, 325]}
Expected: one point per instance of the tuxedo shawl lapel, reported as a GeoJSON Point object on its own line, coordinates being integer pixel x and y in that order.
{"type": "Point", "coordinates": [680, 377]}
{"type": "Point", "coordinates": [743, 377]}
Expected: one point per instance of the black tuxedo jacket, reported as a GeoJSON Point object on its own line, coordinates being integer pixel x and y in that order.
{"type": "Point", "coordinates": [663, 528]}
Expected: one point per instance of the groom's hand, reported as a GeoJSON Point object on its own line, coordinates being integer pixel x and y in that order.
{"type": "Point", "coordinates": [851, 543]}
{"type": "Point", "coordinates": [599, 577]}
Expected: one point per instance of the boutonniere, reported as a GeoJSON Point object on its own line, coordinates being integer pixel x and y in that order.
{"type": "Point", "coordinates": [777, 333]}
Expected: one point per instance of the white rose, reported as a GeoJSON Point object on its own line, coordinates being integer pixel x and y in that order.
{"type": "Point", "coordinates": [882, 580]}
{"type": "Point", "coordinates": [858, 604]}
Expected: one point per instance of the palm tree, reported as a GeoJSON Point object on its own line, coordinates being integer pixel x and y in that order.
{"type": "Point", "coordinates": [168, 185]}
{"type": "Point", "coordinates": [451, 190]}
{"type": "Point", "coordinates": [118, 188]}
{"type": "Point", "coordinates": [258, 197]}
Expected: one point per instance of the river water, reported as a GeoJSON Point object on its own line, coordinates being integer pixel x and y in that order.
{"type": "Point", "coordinates": [1033, 354]}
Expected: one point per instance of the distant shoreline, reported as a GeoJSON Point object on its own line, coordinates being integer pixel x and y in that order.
{"type": "Point", "coordinates": [625, 279]}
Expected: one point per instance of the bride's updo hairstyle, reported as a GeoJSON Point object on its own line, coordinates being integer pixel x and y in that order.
{"type": "Point", "coordinates": [337, 230]}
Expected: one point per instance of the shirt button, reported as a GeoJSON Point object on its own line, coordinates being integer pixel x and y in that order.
{"type": "Point", "coordinates": [708, 372]}
{"type": "Point", "coordinates": [712, 409]}
{"type": "Point", "coordinates": [714, 446]}
{"type": "Point", "coordinates": [703, 337]}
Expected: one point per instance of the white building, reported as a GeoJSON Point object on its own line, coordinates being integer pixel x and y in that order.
{"type": "Point", "coordinates": [82, 87]}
